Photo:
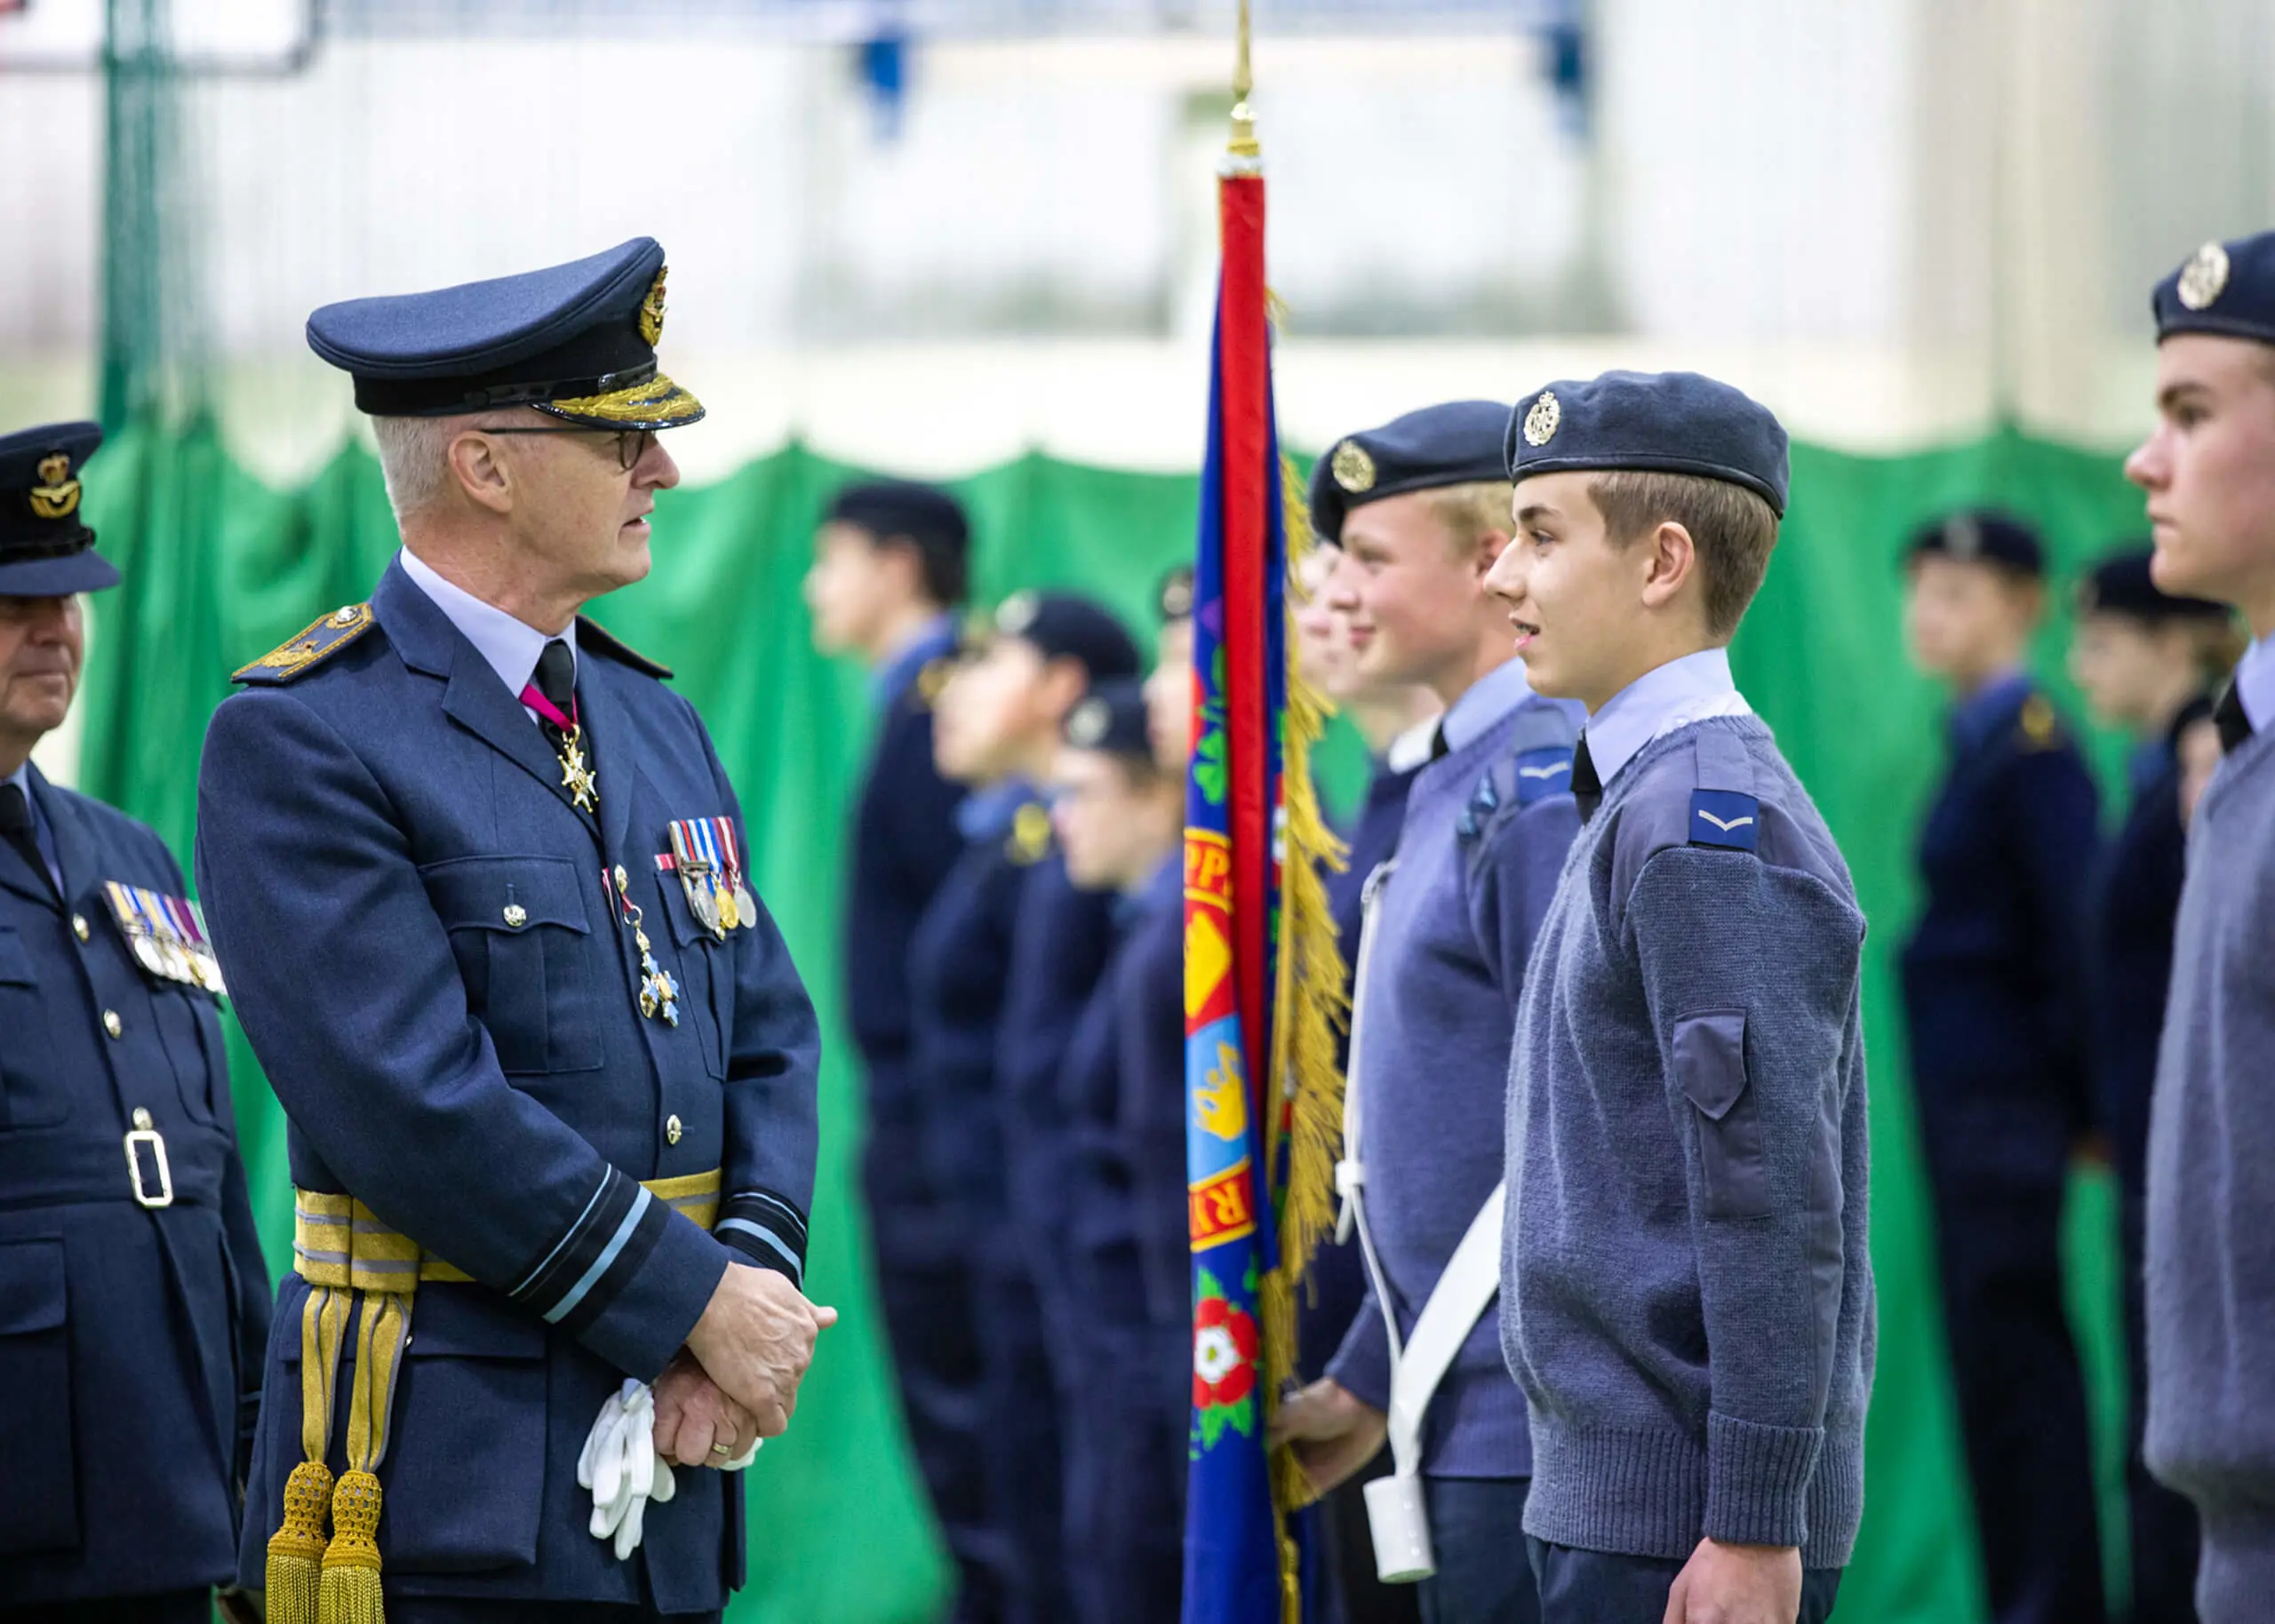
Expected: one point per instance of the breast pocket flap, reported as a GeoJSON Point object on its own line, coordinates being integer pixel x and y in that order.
{"type": "Point", "coordinates": [506, 893]}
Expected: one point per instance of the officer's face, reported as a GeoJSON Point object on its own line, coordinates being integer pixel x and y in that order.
{"type": "Point", "coordinates": [1115, 825]}
{"type": "Point", "coordinates": [1412, 591]}
{"type": "Point", "coordinates": [42, 641]}
{"type": "Point", "coordinates": [2209, 471]}
{"type": "Point", "coordinates": [990, 710]}
{"type": "Point", "coordinates": [2128, 669]}
{"type": "Point", "coordinates": [582, 513]}
{"type": "Point", "coordinates": [1965, 620]}
{"type": "Point", "coordinates": [1168, 698]}
{"type": "Point", "coordinates": [1576, 601]}
{"type": "Point", "coordinates": [855, 588]}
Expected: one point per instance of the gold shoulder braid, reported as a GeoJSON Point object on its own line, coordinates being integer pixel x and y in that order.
{"type": "Point", "coordinates": [323, 639]}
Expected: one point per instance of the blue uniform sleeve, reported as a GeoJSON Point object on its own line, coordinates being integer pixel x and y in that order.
{"type": "Point", "coordinates": [1361, 1365]}
{"type": "Point", "coordinates": [344, 981]}
{"type": "Point", "coordinates": [2050, 821]}
{"type": "Point", "coordinates": [773, 1062]}
{"type": "Point", "coordinates": [1512, 874]}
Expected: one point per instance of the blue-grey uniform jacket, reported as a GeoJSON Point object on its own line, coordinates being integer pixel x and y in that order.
{"type": "Point", "coordinates": [130, 1335]}
{"type": "Point", "coordinates": [445, 998]}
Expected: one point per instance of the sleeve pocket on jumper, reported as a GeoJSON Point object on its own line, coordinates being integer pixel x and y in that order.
{"type": "Point", "coordinates": [1710, 1065]}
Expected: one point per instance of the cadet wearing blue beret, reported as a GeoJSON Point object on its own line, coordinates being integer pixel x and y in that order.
{"type": "Point", "coordinates": [1420, 507]}
{"type": "Point", "coordinates": [2147, 664]}
{"type": "Point", "coordinates": [483, 894]}
{"type": "Point", "coordinates": [133, 1299]}
{"type": "Point", "coordinates": [1994, 1000]}
{"type": "Point", "coordinates": [1687, 1297]}
{"type": "Point", "coordinates": [2209, 472]}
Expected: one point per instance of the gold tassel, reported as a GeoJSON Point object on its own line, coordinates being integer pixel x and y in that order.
{"type": "Point", "coordinates": [297, 1547]}
{"type": "Point", "coordinates": [351, 1593]}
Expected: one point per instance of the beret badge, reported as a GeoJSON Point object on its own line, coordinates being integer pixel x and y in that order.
{"type": "Point", "coordinates": [1541, 421]}
{"type": "Point", "coordinates": [57, 494]}
{"type": "Point", "coordinates": [1353, 469]}
{"type": "Point", "coordinates": [2204, 276]}
{"type": "Point", "coordinates": [1088, 725]}
{"type": "Point", "coordinates": [652, 308]}
{"type": "Point", "coordinates": [1016, 614]}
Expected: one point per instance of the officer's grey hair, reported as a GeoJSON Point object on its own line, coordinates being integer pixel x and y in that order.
{"type": "Point", "coordinates": [414, 454]}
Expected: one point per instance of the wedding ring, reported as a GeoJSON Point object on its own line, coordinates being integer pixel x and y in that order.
{"type": "Point", "coordinates": [723, 1449]}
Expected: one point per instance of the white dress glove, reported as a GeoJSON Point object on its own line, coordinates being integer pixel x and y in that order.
{"type": "Point", "coordinates": [620, 1466]}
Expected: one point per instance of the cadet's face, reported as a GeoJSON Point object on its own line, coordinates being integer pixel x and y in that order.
{"type": "Point", "coordinates": [1574, 599]}
{"type": "Point", "coordinates": [42, 641]}
{"type": "Point", "coordinates": [1168, 698]}
{"type": "Point", "coordinates": [2124, 667]}
{"type": "Point", "coordinates": [1325, 651]}
{"type": "Point", "coordinates": [1409, 593]}
{"type": "Point", "coordinates": [1965, 618]}
{"type": "Point", "coordinates": [2209, 471]}
{"type": "Point", "coordinates": [849, 590]}
{"type": "Point", "coordinates": [988, 711]}
{"type": "Point", "coordinates": [583, 513]}
{"type": "Point", "coordinates": [1111, 826]}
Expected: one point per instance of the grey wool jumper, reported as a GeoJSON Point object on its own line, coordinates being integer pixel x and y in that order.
{"type": "Point", "coordinates": [1487, 827]}
{"type": "Point", "coordinates": [1686, 1298]}
{"type": "Point", "coordinates": [2211, 1202]}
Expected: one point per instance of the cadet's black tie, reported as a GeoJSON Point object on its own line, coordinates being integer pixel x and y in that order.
{"type": "Point", "coordinates": [16, 826]}
{"type": "Point", "coordinates": [557, 680]}
{"type": "Point", "coordinates": [2230, 718]}
{"type": "Point", "coordinates": [1587, 789]}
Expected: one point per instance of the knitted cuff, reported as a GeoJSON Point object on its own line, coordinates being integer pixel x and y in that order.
{"type": "Point", "coordinates": [1758, 1480]}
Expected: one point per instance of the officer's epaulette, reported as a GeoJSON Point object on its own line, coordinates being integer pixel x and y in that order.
{"type": "Point", "coordinates": [591, 635]}
{"type": "Point", "coordinates": [2039, 725]}
{"type": "Point", "coordinates": [301, 654]}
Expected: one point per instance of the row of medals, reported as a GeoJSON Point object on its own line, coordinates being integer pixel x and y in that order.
{"type": "Point", "coordinates": [722, 902]}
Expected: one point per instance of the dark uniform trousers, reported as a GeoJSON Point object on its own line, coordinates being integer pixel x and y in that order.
{"type": "Point", "coordinates": [1586, 1587]}
{"type": "Point", "coordinates": [130, 1335]}
{"type": "Point", "coordinates": [438, 959]}
{"type": "Point", "coordinates": [1993, 993]}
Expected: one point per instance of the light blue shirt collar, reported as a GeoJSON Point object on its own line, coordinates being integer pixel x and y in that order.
{"type": "Point", "coordinates": [936, 638]}
{"type": "Point", "coordinates": [987, 814]}
{"type": "Point", "coordinates": [1489, 698]}
{"type": "Point", "coordinates": [1671, 695]}
{"type": "Point", "coordinates": [2255, 682]}
{"type": "Point", "coordinates": [510, 646]}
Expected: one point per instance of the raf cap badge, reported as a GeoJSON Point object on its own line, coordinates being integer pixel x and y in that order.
{"type": "Point", "coordinates": [1963, 538]}
{"type": "Point", "coordinates": [2203, 277]}
{"type": "Point", "coordinates": [1541, 420]}
{"type": "Point", "coordinates": [1016, 614]}
{"type": "Point", "coordinates": [1353, 469]}
{"type": "Point", "coordinates": [652, 308]}
{"type": "Point", "coordinates": [1088, 725]}
{"type": "Point", "coordinates": [57, 494]}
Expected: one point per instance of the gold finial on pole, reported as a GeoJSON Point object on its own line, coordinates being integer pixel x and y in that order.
{"type": "Point", "coordinates": [1243, 142]}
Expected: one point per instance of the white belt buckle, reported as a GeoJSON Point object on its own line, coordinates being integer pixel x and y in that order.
{"type": "Point", "coordinates": [135, 1138]}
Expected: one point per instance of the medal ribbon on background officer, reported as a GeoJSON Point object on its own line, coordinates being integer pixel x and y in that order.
{"type": "Point", "coordinates": [552, 694]}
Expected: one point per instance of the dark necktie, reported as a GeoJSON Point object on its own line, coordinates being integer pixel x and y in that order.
{"type": "Point", "coordinates": [557, 680]}
{"type": "Point", "coordinates": [1439, 748]}
{"type": "Point", "coordinates": [2229, 717]}
{"type": "Point", "coordinates": [1587, 789]}
{"type": "Point", "coordinates": [16, 827]}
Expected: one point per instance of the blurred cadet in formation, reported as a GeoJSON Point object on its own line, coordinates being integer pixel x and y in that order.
{"type": "Point", "coordinates": [1120, 818]}
{"type": "Point", "coordinates": [133, 1299]}
{"type": "Point", "coordinates": [1420, 510]}
{"type": "Point", "coordinates": [2209, 472]}
{"type": "Point", "coordinates": [1688, 1293]}
{"type": "Point", "coordinates": [997, 733]}
{"type": "Point", "coordinates": [1993, 994]}
{"type": "Point", "coordinates": [1398, 721]}
{"type": "Point", "coordinates": [483, 893]}
{"type": "Point", "coordinates": [2145, 662]}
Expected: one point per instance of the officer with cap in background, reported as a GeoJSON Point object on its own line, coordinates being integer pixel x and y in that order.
{"type": "Point", "coordinates": [1994, 996]}
{"type": "Point", "coordinates": [133, 1299]}
{"type": "Point", "coordinates": [2208, 468]}
{"type": "Point", "coordinates": [483, 894]}
{"type": "Point", "coordinates": [982, 1362]}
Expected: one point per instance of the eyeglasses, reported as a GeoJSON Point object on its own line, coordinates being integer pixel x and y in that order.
{"type": "Point", "coordinates": [631, 443]}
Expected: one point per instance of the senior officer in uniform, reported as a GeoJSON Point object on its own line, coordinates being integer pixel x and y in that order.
{"type": "Point", "coordinates": [133, 1300]}
{"type": "Point", "coordinates": [482, 888]}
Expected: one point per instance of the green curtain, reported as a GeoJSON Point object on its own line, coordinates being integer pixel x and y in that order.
{"type": "Point", "coordinates": [220, 568]}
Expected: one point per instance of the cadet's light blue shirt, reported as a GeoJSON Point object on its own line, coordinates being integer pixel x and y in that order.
{"type": "Point", "coordinates": [1670, 697]}
{"type": "Point", "coordinates": [2255, 682]}
{"type": "Point", "coordinates": [510, 646]}
{"type": "Point", "coordinates": [936, 638]}
{"type": "Point", "coordinates": [1489, 698]}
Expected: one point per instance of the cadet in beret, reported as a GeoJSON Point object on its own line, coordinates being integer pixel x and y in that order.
{"type": "Point", "coordinates": [1120, 818]}
{"type": "Point", "coordinates": [2146, 662]}
{"type": "Point", "coordinates": [2209, 472]}
{"type": "Point", "coordinates": [979, 1371]}
{"type": "Point", "coordinates": [483, 894]}
{"type": "Point", "coordinates": [133, 1299]}
{"type": "Point", "coordinates": [1420, 507]}
{"type": "Point", "coordinates": [1993, 994]}
{"type": "Point", "coordinates": [1687, 1296]}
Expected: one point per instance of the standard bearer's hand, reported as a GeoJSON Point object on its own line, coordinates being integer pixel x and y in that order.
{"type": "Point", "coordinates": [1331, 1430]}
{"type": "Point", "coordinates": [756, 1340]}
{"type": "Point", "coordinates": [1736, 1584]}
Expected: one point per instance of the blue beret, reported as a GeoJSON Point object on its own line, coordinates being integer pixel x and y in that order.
{"type": "Point", "coordinates": [1457, 443]}
{"type": "Point", "coordinates": [1981, 536]}
{"type": "Point", "coordinates": [46, 550]}
{"type": "Point", "coordinates": [1174, 596]}
{"type": "Point", "coordinates": [2122, 584]}
{"type": "Point", "coordinates": [925, 515]}
{"type": "Point", "coordinates": [2225, 287]}
{"type": "Point", "coordinates": [1112, 718]}
{"type": "Point", "coordinates": [1650, 422]}
{"type": "Point", "coordinates": [577, 340]}
{"type": "Point", "coordinates": [1063, 627]}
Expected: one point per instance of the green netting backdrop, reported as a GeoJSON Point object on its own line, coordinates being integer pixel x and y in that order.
{"type": "Point", "coordinates": [220, 568]}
